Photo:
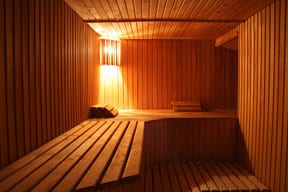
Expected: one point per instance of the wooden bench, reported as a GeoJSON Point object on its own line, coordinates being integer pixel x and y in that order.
{"type": "Point", "coordinates": [106, 155]}
{"type": "Point", "coordinates": [200, 176]}
{"type": "Point", "coordinates": [90, 155]}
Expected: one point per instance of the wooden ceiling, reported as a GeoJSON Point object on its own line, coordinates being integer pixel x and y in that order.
{"type": "Point", "coordinates": [165, 19]}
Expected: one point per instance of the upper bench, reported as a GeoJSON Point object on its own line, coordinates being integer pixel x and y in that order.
{"type": "Point", "coordinates": [92, 154]}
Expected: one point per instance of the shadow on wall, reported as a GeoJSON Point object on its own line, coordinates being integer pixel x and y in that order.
{"type": "Point", "coordinates": [243, 156]}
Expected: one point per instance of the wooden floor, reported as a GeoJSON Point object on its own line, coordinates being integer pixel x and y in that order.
{"type": "Point", "coordinates": [200, 176]}
{"type": "Point", "coordinates": [193, 176]}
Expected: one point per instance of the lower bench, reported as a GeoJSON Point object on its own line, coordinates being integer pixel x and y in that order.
{"type": "Point", "coordinates": [200, 176]}
{"type": "Point", "coordinates": [88, 156]}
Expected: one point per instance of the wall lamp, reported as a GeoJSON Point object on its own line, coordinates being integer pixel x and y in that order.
{"type": "Point", "coordinates": [109, 52]}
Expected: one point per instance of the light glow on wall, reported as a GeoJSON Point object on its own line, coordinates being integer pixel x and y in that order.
{"type": "Point", "coordinates": [111, 85]}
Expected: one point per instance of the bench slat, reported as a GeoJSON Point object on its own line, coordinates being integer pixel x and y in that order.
{"type": "Point", "coordinates": [156, 178]}
{"type": "Point", "coordinates": [173, 177]}
{"type": "Point", "coordinates": [182, 179]}
{"type": "Point", "coordinates": [240, 186]}
{"type": "Point", "coordinates": [209, 181]}
{"type": "Point", "coordinates": [244, 179]}
{"type": "Point", "coordinates": [118, 162]}
{"type": "Point", "coordinates": [58, 173]}
{"type": "Point", "coordinates": [198, 177]}
{"type": "Point", "coordinates": [252, 178]}
{"type": "Point", "coordinates": [165, 178]}
{"type": "Point", "coordinates": [20, 174]}
{"type": "Point", "coordinates": [69, 182]}
{"type": "Point", "coordinates": [46, 168]}
{"type": "Point", "coordinates": [190, 179]}
{"type": "Point", "coordinates": [223, 177]}
{"type": "Point", "coordinates": [15, 166]}
{"type": "Point", "coordinates": [95, 172]}
{"type": "Point", "coordinates": [219, 183]}
{"type": "Point", "coordinates": [134, 160]}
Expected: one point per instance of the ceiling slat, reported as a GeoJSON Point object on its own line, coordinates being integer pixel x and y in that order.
{"type": "Point", "coordinates": [165, 19]}
{"type": "Point", "coordinates": [122, 7]}
{"type": "Point", "coordinates": [168, 9]}
{"type": "Point", "coordinates": [130, 8]}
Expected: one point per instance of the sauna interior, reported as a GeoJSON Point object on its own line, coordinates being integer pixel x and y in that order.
{"type": "Point", "coordinates": [229, 57]}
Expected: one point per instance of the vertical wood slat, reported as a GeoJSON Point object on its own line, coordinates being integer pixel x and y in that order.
{"type": "Point", "coordinates": [4, 157]}
{"type": "Point", "coordinates": [32, 73]}
{"type": "Point", "coordinates": [180, 139]}
{"type": "Point", "coordinates": [18, 80]}
{"type": "Point", "coordinates": [156, 72]}
{"type": "Point", "coordinates": [38, 72]}
{"type": "Point", "coordinates": [10, 60]}
{"type": "Point", "coordinates": [263, 94]}
{"type": "Point", "coordinates": [36, 92]}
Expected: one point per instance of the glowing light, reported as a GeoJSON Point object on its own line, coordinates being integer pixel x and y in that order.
{"type": "Point", "coordinates": [110, 73]}
{"type": "Point", "coordinates": [111, 85]}
{"type": "Point", "coordinates": [109, 52]}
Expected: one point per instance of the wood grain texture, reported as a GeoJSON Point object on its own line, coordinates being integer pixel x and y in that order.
{"type": "Point", "coordinates": [227, 37]}
{"type": "Point", "coordinates": [4, 150]}
{"type": "Point", "coordinates": [203, 176]}
{"type": "Point", "coordinates": [48, 68]}
{"type": "Point", "coordinates": [184, 139]}
{"type": "Point", "coordinates": [164, 19]}
{"type": "Point", "coordinates": [263, 94]}
{"type": "Point", "coordinates": [69, 159]}
{"type": "Point", "coordinates": [153, 73]}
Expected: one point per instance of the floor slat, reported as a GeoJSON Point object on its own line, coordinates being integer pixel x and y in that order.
{"type": "Point", "coordinates": [204, 176]}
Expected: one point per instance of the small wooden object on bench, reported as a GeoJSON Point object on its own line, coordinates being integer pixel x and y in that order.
{"type": "Point", "coordinates": [186, 105]}
{"type": "Point", "coordinates": [103, 111]}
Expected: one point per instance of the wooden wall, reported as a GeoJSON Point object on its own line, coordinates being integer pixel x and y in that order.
{"type": "Point", "coordinates": [156, 72]}
{"type": "Point", "coordinates": [263, 93]}
{"type": "Point", "coordinates": [48, 60]}
{"type": "Point", "coordinates": [190, 139]}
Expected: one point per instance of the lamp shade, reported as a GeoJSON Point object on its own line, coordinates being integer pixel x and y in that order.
{"type": "Point", "coordinates": [109, 52]}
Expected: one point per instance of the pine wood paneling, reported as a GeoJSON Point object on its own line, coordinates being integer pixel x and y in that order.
{"type": "Point", "coordinates": [263, 94]}
{"type": "Point", "coordinates": [4, 150]}
{"type": "Point", "coordinates": [165, 19]}
{"type": "Point", "coordinates": [125, 9]}
{"type": "Point", "coordinates": [183, 139]}
{"type": "Point", "coordinates": [48, 73]}
{"type": "Point", "coordinates": [156, 72]}
{"type": "Point", "coordinates": [231, 35]}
